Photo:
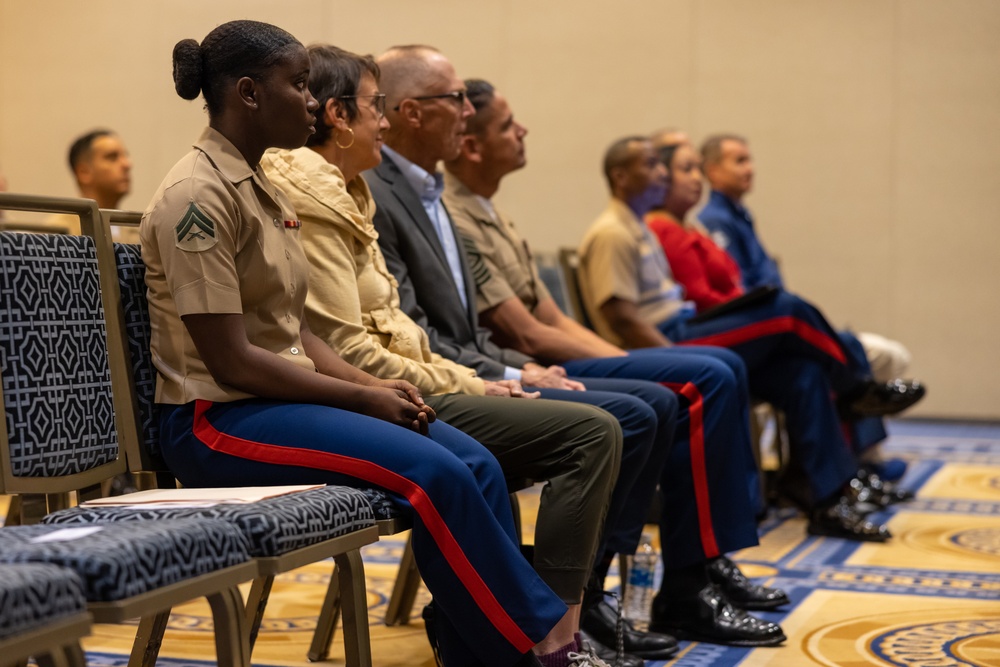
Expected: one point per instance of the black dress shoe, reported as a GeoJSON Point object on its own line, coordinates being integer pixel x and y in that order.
{"type": "Point", "coordinates": [878, 399]}
{"type": "Point", "coordinates": [607, 654]}
{"type": "Point", "coordinates": [741, 591]}
{"type": "Point", "coordinates": [600, 623]}
{"type": "Point", "coordinates": [711, 618]}
{"type": "Point", "coordinates": [885, 492]}
{"type": "Point", "coordinates": [869, 494]}
{"type": "Point", "coordinates": [842, 520]}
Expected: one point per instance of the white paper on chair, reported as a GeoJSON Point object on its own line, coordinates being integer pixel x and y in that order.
{"type": "Point", "coordinates": [67, 534]}
{"type": "Point", "coordinates": [199, 497]}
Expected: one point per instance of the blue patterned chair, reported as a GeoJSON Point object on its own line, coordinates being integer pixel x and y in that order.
{"type": "Point", "coordinates": [59, 434]}
{"type": "Point", "coordinates": [43, 614]}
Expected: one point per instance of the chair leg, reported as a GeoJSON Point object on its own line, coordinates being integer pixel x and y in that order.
{"type": "Point", "coordinates": [149, 638]}
{"type": "Point", "coordinates": [326, 624]}
{"type": "Point", "coordinates": [13, 517]}
{"type": "Point", "coordinates": [260, 591]}
{"type": "Point", "coordinates": [75, 656]}
{"type": "Point", "coordinates": [404, 591]}
{"type": "Point", "coordinates": [351, 575]}
{"type": "Point", "coordinates": [57, 501]}
{"type": "Point", "coordinates": [92, 492]}
{"type": "Point", "coordinates": [232, 646]}
{"type": "Point", "coordinates": [34, 506]}
{"type": "Point", "coordinates": [55, 658]}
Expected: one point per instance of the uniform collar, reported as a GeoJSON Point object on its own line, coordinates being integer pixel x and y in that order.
{"type": "Point", "coordinates": [718, 198]}
{"type": "Point", "coordinates": [479, 208]}
{"type": "Point", "coordinates": [224, 155]}
{"type": "Point", "coordinates": [231, 163]}
{"type": "Point", "coordinates": [626, 216]}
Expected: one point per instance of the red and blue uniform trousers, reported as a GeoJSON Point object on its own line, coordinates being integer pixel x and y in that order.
{"type": "Point", "coordinates": [708, 478]}
{"type": "Point", "coordinates": [464, 539]}
{"type": "Point", "coordinates": [797, 362]}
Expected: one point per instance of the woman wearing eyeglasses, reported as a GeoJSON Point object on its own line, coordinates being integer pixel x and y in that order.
{"type": "Point", "coordinates": [352, 292]}
{"type": "Point", "coordinates": [350, 283]}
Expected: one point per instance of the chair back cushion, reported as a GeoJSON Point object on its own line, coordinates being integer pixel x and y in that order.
{"type": "Point", "coordinates": [132, 284]}
{"type": "Point", "coordinates": [54, 356]}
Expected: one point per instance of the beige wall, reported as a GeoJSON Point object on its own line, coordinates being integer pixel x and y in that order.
{"type": "Point", "coordinates": [874, 124]}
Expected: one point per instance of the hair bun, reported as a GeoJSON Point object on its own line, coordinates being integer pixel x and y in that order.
{"type": "Point", "coordinates": [187, 69]}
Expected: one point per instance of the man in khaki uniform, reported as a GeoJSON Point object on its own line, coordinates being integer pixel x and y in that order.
{"type": "Point", "coordinates": [711, 447]}
{"type": "Point", "coordinates": [102, 168]}
{"type": "Point", "coordinates": [794, 358]}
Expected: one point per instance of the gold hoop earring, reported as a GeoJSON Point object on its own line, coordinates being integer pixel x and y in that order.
{"type": "Point", "coordinates": [336, 140]}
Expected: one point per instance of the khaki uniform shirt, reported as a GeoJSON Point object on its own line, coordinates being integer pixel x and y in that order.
{"type": "Point", "coordinates": [500, 259]}
{"type": "Point", "coordinates": [620, 257]}
{"type": "Point", "coordinates": [353, 303]}
{"type": "Point", "coordinates": [219, 238]}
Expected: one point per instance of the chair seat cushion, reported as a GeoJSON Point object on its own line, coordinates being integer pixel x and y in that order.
{"type": "Point", "coordinates": [115, 562]}
{"type": "Point", "coordinates": [31, 595]}
{"type": "Point", "coordinates": [272, 527]}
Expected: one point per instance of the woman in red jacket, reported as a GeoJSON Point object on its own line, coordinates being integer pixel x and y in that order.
{"type": "Point", "coordinates": [709, 275]}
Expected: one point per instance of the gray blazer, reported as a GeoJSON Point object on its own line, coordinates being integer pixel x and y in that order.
{"type": "Point", "coordinates": [427, 291]}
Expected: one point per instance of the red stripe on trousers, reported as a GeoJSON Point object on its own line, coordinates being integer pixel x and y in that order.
{"type": "Point", "coordinates": [698, 473]}
{"type": "Point", "coordinates": [376, 474]}
{"type": "Point", "coordinates": [776, 325]}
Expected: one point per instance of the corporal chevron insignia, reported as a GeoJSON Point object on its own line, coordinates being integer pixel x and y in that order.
{"type": "Point", "coordinates": [195, 231]}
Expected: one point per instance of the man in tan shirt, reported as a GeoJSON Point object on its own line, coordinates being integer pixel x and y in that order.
{"type": "Point", "coordinates": [794, 358]}
{"type": "Point", "coordinates": [102, 168]}
{"type": "Point", "coordinates": [707, 510]}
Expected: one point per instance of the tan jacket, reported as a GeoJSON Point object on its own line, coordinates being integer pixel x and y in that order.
{"type": "Point", "coordinates": [353, 303]}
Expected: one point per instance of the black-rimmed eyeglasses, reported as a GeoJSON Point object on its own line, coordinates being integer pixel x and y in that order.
{"type": "Point", "coordinates": [457, 95]}
{"type": "Point", "coordinates": [378, 101]}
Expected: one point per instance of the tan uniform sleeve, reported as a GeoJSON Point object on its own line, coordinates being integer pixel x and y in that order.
{"type": "Point", "coordinates": [612, 260]}
{"type": "Point", "coordinates": [333, 310]}
{"type": "Point", "coordinates": [205, 280]}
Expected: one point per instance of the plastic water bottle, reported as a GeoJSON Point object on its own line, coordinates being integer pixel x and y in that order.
{"type": "Point", "coordinates": [639, 588]}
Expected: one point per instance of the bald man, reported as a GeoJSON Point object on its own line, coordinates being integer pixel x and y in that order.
{"type": "Point", "coordinates": [707, 506]}
{"type": "Point", "coordinates": [427, 111]}
{"type": "Point", "coordinates": [669, 136]}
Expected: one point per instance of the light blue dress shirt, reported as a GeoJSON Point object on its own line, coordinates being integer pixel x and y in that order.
{"type": "Point", "coordinates": [429, 188]}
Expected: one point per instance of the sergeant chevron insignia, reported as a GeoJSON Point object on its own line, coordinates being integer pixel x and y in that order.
{"type": "Point", "coordinates": [195, 231]}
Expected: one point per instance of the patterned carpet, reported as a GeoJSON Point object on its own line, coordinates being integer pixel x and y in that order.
{"type": "Point", "coordinates": [929, 598]}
